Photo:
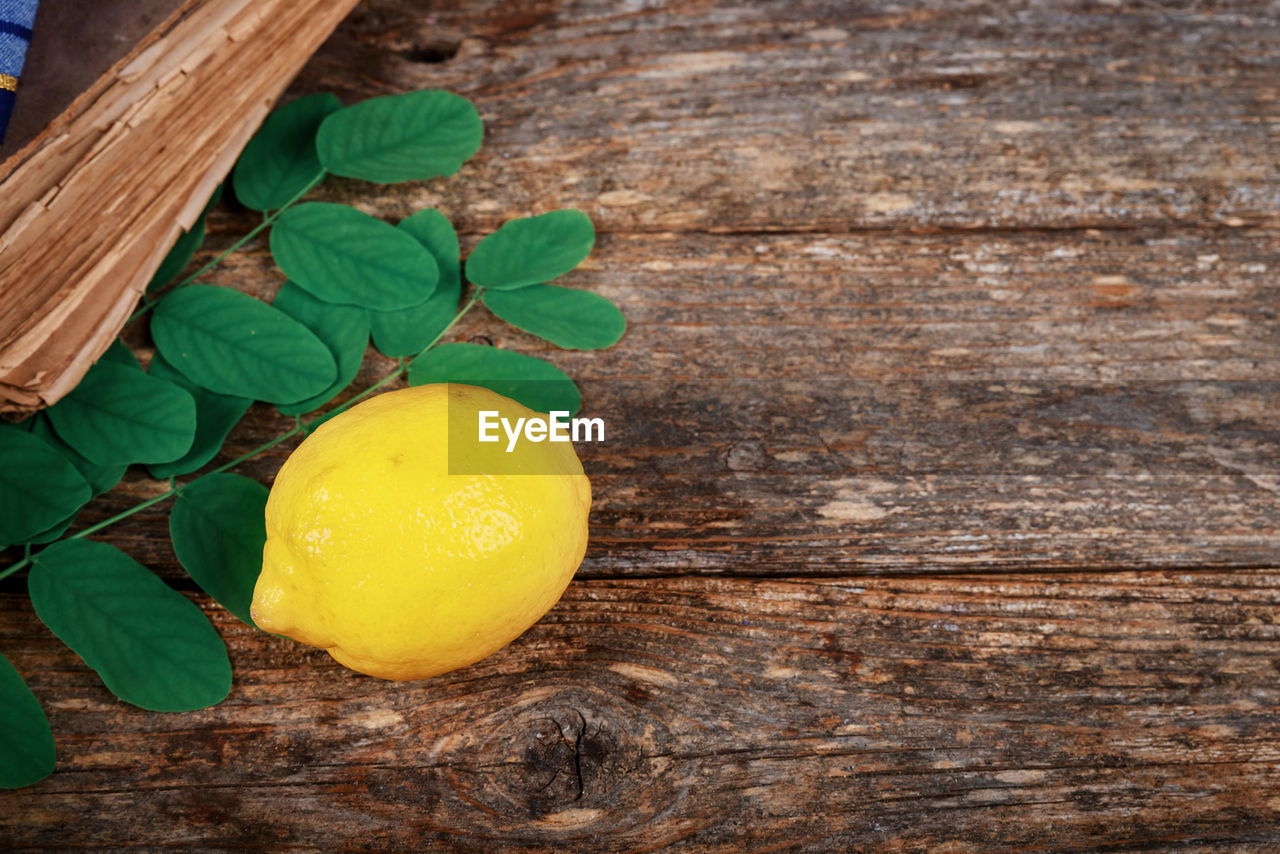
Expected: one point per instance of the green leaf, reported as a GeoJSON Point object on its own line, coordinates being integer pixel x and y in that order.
{"type": "Point", "coordinates": [343, 328]}
{"type": "Point", "coordinates": [150, 644]}
{"type": "Point", "coordinates": [280, 161]}
{"type": "Point", "coordinates": [216, 414]}
{"type": "Point", "coordinates": [408, 137]}
{"type": "Point", "coordinates": [218, 527]}
{"type": "Point", "coordinates": [120, 353]}
{"type": "Point", "coordinates": [184, 249]}
{"type": "Point", "coordinates": [339, 254]}
{"type": "Point", "coordinates": [118, 415]}
{"type": "Point", "coordinates": [531, 250]}
{"type": "Point", "coordinates": [407, 332]}
{"type": "Point", "coordinates": [54, 533]}
{"type": "Point", "coordinates": [537, 384]}
{"type": "Point", "coordinates": [38, 487]}
{"type": "Point", "coordinates": [27, 752]}
{"type": "Point", "coordinates": [575, 320]}
{"type": "Point", "coordinates": [101, 478]}
{"type": "Point", "coordinates": [233, 344]}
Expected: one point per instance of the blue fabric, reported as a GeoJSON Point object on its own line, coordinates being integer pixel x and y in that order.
{"type": "Point", "coordinates": [19, 11]}
{"type": "Point", "coordinates": [17, 17]}
{"type": "Point", "coordinates": [9, 28]}
{"type": "Point", "coordinates": [12, 51]}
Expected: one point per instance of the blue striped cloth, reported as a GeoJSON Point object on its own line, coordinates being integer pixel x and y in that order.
{"type": "Point", "coordinates": [16, 20]}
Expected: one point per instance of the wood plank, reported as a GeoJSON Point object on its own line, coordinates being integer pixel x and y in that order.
{"type": "Point", "coordinates": [850, 404]}
{"type": "Point", "coordinates": [837, 116]}
{"type": "Point", "coordinates": [1019, 260]}
{"type": "Point", "coordinates": [965, 714]}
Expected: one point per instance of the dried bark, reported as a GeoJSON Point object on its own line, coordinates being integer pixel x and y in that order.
{"type": "Point", "coordinates": [89, 208]}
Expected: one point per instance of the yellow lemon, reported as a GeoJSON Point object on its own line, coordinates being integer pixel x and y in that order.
{"type": "Point", "coordinates": [404, 556]}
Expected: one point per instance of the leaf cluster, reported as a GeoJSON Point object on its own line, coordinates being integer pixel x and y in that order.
{"type": "Point", "coordinates": [350, 278]}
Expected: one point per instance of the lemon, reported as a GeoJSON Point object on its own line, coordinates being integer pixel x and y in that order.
{"type": "Point", "coordinates": [401, 569]}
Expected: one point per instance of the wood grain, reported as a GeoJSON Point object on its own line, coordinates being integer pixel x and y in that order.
{"type": "Point", "coordinates": [963, 714]}
{"type": "Point", "coordinates": [939, 510]}
{"type": "Point", "coordinates": [851, 404]}
{"type": "Point", "coordinates": [835, 116]}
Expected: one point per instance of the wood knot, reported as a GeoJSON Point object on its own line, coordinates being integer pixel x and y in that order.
{"type": "Point", "coordinates": [433, 51]}
{"type": "Point", "coordinates": [563, 753]}
{"type": "Point", "coordinates": [572, 761]}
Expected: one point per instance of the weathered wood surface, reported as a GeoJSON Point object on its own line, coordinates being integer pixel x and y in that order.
{"type": "Point", "coordinates": [1135, 709]}
{"type": "Point", "coordinates": [960, 531]}
{"type": "Point", "coordinates": [915, 403]}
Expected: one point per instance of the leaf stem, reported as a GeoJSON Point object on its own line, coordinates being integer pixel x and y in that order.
{"type": "Point", "coordinates": [8, 571]}
{"type": "Point", "coordinates": [475, 298]}
{"type": "Point", "coordinates": [402, 366]}
{"type": "Point", "coordinates": [124, 514]}
{"type": "Point", "coordinates": [267, 220]}
{"type": "Point", "coordinates": [248, 455]}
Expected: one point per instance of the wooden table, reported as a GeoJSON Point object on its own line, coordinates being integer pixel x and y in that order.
{"type": "Point", "coordinates": [998, 569]}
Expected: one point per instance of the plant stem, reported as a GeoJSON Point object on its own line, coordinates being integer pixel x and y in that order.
{"type": "Point", "coordinates": [299, 426]}
{"type": "Point", "coordinates": [124, 514]}
{"type": "Point", "coordinates": [403, 365]}
{"type": "Point", "coordinates": [475, 298]}
{"type": "Point", "coordinates": [174, 489]}
{"type": "Point", "coordinates": [8, 571]}
{"type": "Point", "coordinates": [267, 220]}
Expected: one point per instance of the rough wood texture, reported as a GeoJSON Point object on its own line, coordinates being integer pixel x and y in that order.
{"type": "Point", "coordinates": [940, 511]}
{"type": "Point", "coordinates": [89, 207]}
{"type": "Point", "coordinates": [1135, 709]}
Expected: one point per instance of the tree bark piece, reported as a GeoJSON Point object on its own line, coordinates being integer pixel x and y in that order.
{"type": "Point", "coordinates": [89, 208]}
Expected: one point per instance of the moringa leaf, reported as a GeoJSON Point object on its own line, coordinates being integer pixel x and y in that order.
{"type": "Point", "coordinates": [409, 137]}
{"type": "Point", "coordinates": [150, 644]}
{"type": "Point", "coordinates": [216, 414]}
{"type": "Point", "coordinates": [343, 328]}
{"type": "Point", "coordinates": [575, 320]}
{"type": "Point", "coordinates": [531, 250]}
{"type": "Point", "coordinates": [218, 529]}
{"type": "Point", "coordinates": [101, 478]}
{"type": "Point", "coordinates": [409, 331]}
{"type": "Point", "coordinates": [233, 344]}
{"type": "Point", "coordinates": [54, 533]}
{"type": "Point", "coordinates": [38, 487]}
{"type": "Point", "coordinates": [120, 353]}
{"type": "Point", "coordinates": [27, 752]}
{"type": "Point", "coordinates": [280, 161]}
{"type": "Point", "coordinates": [537, 384]}
{"type": "Point", "coordinates": [342, 255]}
{"type": "Point", "coordinates": [120, 415]}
